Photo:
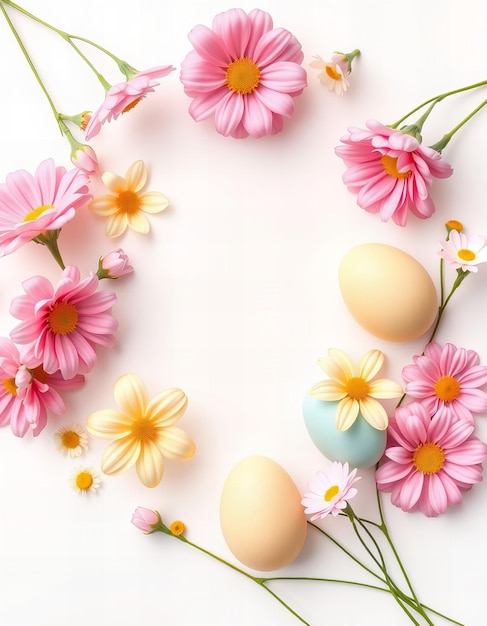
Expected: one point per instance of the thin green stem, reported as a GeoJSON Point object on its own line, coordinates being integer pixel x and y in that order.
{"type": "Point", "coordinates": [440, 145]}
{"type": "Point", "coordinates": [49, 239]}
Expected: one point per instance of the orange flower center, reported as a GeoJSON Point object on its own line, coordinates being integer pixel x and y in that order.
{"type": "Point", "coordinates": [447, 388]}
{"type": "Point", "coordinates": [143, 429]}
{"type": "Point", "coordinates": [84, 480]}
{"type": "Point", "coordinates": [177, 528]}
{"type": "Point", "coordinates": [242, 76]}
{"type": "Point", "coordinates": [70, 439]}
{"type": "Point", "coordinates": [357, 388]}
{"type": "Point", "coordinates": [332, 73]}
{"type": "Point", "coordinates": [131, 105]}
{"type": "Point", "coordinates": [466, 255]}
{"type": "Point", "coordinates": [454, 225]}
{"type": "Point", "coordinates": [330, 493]}
{"type": "Point", "coordinates": [428, 458]}
{"type": "Point", "coordinates": [390, 166]}
{"type": "Point", "coordinates": [10, 386]}
{"type": "Point", "coordinates": [35, 213]}
{"type": "Point", "coordinates": [62, 318]}
{"type": "Point", "coordinates": [128, 201]}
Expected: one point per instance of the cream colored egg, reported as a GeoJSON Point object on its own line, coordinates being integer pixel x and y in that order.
{"type": "Point", "coordinates": [388, 292]}
{"type": "Point", "coordinates": [261, 515]}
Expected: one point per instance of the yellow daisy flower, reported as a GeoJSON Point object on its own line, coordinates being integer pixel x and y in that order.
{"type": "Point", "coordinates": [355, 389]}
{"type": "Point", "coordinates": [142, 430]}
{"type": "Point", "coordinates": [125, 207]}
{"type": "Point", "coordinates": [85, 480]}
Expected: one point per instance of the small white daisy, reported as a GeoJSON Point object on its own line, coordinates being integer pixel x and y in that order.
{"type": "Point", "coordinates": [85, 480]}
{"type": "Point", "coordinates": [71, 440]}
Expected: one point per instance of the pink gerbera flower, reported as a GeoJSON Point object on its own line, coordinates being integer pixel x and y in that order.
{"type": "Point", "coordinates": [244, 72]}
{"type": "Point", "coordinates": [32, 204]}
{"type": "Point", "coordinates": [27, 392]}
{"type": "Point", "coordinates": [330, 491]}
{"type": "Point", "coordinates": [390, 171]}
{"type": "Point", "coordinates": [61, 326]}
{"type": "Point", "coordinates": [447, 380]}
{"type": "Point", "coordinates": [124, 96]}
{"type": "Point", "coordinates": [429, 462]}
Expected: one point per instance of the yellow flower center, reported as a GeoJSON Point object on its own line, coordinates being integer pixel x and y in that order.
{"type": "Point", "coordinates": [35, 213]}
{"type": "Point", "coordinates": [332, 73]}
{"type": "Point", "coordinates": [331, 492]}
{"type": "Point", "coordinates": [447, 388]}
{"type": "Point", "coordinates": [10, 386]}
{"type": "Point", "coordinates": [466, 255]}
{"type": "Point", "coordinates": [242, 76]}
{"type": "Point", "coordinates": [428, 458]}
{"type": "Point", "coordinates": [70, 439]}
{"type": "Point", "coordinates": [454, 225]}
{"type": "Point", "coordinates": [143, 429]}
{"type": "Point", "coordinates": [84, 480]}
{"type": "Point", "coordinates": [357, 388]}
{"type": "Point", "coordinates": [177, 528]}
{"type": "Point", "coordinates": [62, 318]}
{"type": "Point", "coordinates": [131, 105]}
{"type": "Point", "coordinates": [128, 201]}
{"type": "Point", "coordinates": [390, 166]}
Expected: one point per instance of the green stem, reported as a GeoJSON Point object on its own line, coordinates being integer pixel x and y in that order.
{"type": "Point", "coordinates": [49, 239]}
{"type": "Point", "coordinates": [440, 145]}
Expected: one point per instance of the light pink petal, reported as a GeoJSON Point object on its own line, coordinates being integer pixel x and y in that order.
{"type": "Point", "coordinates": [229, 113]}
{"type": "Point", "coordinates": [270, 46]}
{"type": "Point", "coordinates": [209, 46]}
{"type": "Point", "coordinates": [280, 103]}
{"type": "Point", "coordinates": [257, 118]}
{"type": "Point", "coordinates": [204, 106]}
{"type": "Point", "coordinates": [261, 23]}
{"type": "Point", "coordinates": [284, 77]}
{"type": "Point", "coordinates": [436, 494]}
{"type": "Point", "coordinates": [233, 26]}
{"type": "Point", "coordinates": [411, 490]}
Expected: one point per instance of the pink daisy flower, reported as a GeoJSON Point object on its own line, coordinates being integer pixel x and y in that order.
{"type": "Point", "coordinates": [124, 96]}
{"type": "Point", "coordinates": [244, 72]}
{"type": "Point", "coordinates": [32, 204]}
{"type": "Point", "coordinates": [447, 380]}
{"type": "Point", "coordinates": [27, 392]}
{"type": "Point", "coordinates": [429, 462]}
{"type": "Point", "coordinates": [61, 326]}
{"type": "Point", "coordinates": [390, 171]}
{"type": "Point", "coordinates": [464, 252]}
{"type": "Point", "coordinates": [329, 492]}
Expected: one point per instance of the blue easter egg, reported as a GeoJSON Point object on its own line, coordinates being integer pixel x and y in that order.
{"type": "Point", "coordinates": [361, 445]}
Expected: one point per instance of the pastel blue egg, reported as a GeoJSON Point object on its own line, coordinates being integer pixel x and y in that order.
{"type": "Point", "coordinates": [361, 445]}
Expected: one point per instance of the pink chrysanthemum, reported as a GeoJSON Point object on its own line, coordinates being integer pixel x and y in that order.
{"type": "Point", "coordinates": [447, 380]}
{"type": "Point", "coordinates": [244, 72]}
{"type": "Point", "coordinates": [124, 96]}
{"type": "Point", "coordinates": [61, 326]}
{"type": "Point", "coordinates": [27, 392]}
{"type": "Point", "coordinates": [330, 491]}
{"type": "Point", "coordinates": [32, 204]}
{"type": "Point", "coordinates": [390, 171]}
{"type": "Point", "coordinates": [464, 252]}
{"type": "Point", "coordinates": [429, 462]}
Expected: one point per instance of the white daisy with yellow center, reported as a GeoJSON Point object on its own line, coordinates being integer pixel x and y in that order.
{"type": "Point", "coordinates": [72, 440]}
{"type": "Point", "coordinates": [464, 252]}
{"type": "Point", "coordinates": [85, 480]}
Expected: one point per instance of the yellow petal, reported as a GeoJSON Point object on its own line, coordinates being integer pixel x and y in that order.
{"type": "Point", "coordinates": [175, 444]}
{"type": "Point", "coordinates": [136, 176]}
{"type": "Point", "coordinates": [131, 395]}
{"type": "Point", "coordinates": [114, 182]}
{"type": "Point", "coordinates": [328, 390]}
{"type": "Point", "coordinates": [153, 202]}
{"type": "Point", "coordinates": [116, 224]}
{"type": "Point", "coordinates": [374, 413]}
{"type": "Point", "coordinates": [346, 413]}
{"type": "Point", "coordinates": [138, 222]}
{"type": "Point", "coordinates": [385, 388]}
{"type": "Point", "coordinates": [120, 455]}
{"type": "Point", "coordinates": [150, 465]}
{"type": "Point", "coordinates": [166, 407]}
{"type": "Point", "coordinates": [103, 205]}
{"type": "Point", "coordinates": [338, 366]}
{"type": "Point", "coordinates": [370, 364]}
{"type": "Point", "coordinates": [108, 424]}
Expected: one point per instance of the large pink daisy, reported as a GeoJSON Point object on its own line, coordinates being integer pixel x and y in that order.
{"type": "Point", "coordinates": [390, 171]}
{"type": "Point", "coordinates": [61, 326]}
{"type": "Point", "coordinates": [429, 462]}
{"type": "Point", "coordinates": [27, 392]}
{"type": "Point", "coordinates": [32, 204]}
{"type": "Point", "coordinates": [244, 72]}
{"type": "Point", "coordinates": [124, 96]}
{"type": "Point", "coordinates": [447, 380]}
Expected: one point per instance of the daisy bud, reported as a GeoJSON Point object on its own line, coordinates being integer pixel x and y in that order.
{"type": "Point", "coordinates": [114, 265]}
{"type": "Point", "coordinates": [84, 158]}
{"type": "Point", "coordinates": [453, 225]}
{"type": "Point", "coordinates": [146, 520]}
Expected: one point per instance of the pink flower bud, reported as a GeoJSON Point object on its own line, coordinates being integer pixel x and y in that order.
{"type": "Point", "coordinates": [84, 158]}
{"type": "Point", "coordinates": [145, 519]}
{"type": "Point", "coordinates": [114, 264]}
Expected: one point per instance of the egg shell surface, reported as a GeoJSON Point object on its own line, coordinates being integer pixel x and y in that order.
{"type": "Point", "coordinates": [261, 515]}
{"type": "Point", "coordinates": [388, 292]}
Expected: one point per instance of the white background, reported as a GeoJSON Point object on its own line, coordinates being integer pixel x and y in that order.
{"type": "Point", "coordinates": [233, 299]}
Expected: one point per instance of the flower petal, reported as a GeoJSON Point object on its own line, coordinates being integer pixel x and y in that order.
{"type": "Point", "coordinates": [131, 396]}
{"type": "Point", "coordinates": [346, 413]}
{"type": "Point", "coordinates": [370, 364]}
{"type": "Point", "coordinates": [150, 464]}
{"type": "Point", "coordinates": [374, 413]}
{"type": "Point", "coordinates": [108, 424]}
{"type": "Point", "coordinates": [175, 444]}
{"type": "Point", "coordinates": [120, 455]}
{"type": "Point", "coordinates": [153, 202]}
{"type": "Point", "coordinates": [167, 407]}
{"type": "Point", "coordinates": [136, 176]}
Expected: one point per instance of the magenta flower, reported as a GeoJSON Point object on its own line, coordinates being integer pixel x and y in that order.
{"type": "Point", "coordinates": [61, 326]}
{"type": "Point", "coordinates": [27, 392]}
{"type": "Point", "coordinates": [329, 492]}
{"type": "Point", "coordinates": [32, 204]}
{"type": "Point", "coordinates": [124, 96]}
{"type": "Point", "coordinates": [145, 519]}
{"type": "Point", "coordinates": [447, 380]}
{"type": "Point", "coordinates": [390, 171]}
{"type": "Point", "coordinates": [244, 72]}
{"type": "Point", "coordinates": [429, 462]}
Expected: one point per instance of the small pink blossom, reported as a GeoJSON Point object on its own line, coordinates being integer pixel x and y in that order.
{"type": "Point", "coordinates": [62, 325]}
{"type": "Point", "coordinates": [84, 158]}
{"type": "Point", "coordinates": [429, 461]}
{"type": "Point", "coordinates": [390, 171]}
{"type": "Point", "coordinates": [32, 204]}
{"type": "Point", "coordinates": [145, 519]}
{"type": "Point", "coordinates": [122, 97]}
{"type": "Point", "coordinates": [244, 72]}
{"type": "Point", "coordinates": [446, 381]}
{"type": "Point", "coordinates": [464, 252]}
{"type": "Point", "coordinates": [330, 491]}
{"type": "Point", "coordinates": [114, 265]}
